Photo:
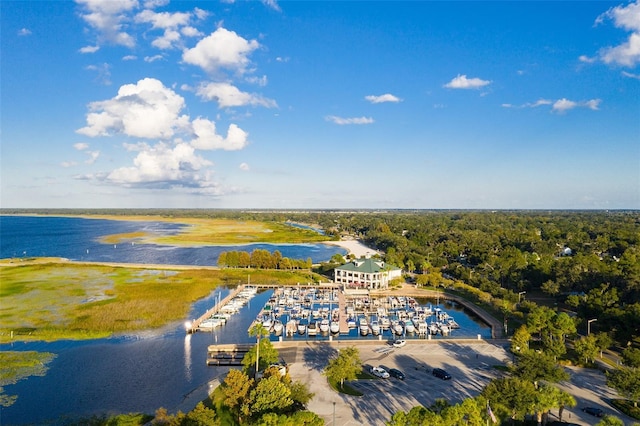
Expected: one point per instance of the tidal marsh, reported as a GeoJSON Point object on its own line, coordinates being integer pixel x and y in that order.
{"type": "Point", "coordinates": [50, 301]}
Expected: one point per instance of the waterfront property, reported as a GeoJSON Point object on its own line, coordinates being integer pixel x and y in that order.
{"type": "Point", "coordinates": [370, 274]}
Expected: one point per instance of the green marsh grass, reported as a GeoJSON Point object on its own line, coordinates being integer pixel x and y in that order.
{"type": "Point", "coordinates": [79, 301]}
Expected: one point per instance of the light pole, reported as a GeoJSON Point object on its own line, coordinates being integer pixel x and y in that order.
{"type": "Point", "coordinates": [520, 294]}
{"type": "Point", "coordinates": [334, 413]}
{"type": "Point", "coordinates": [589, 325]}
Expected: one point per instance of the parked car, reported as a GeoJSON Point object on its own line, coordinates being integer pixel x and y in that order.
{"type": "Point", "coordinates": [441, 374]}
{"type": "Point", "coordinates": [394, 372]}
{"type": "Point", "coordinates": [594, 411]}
{"type": "Point", "coordinates": [399, 343]}
{"type": "Point", "coordinates": [379, 372]}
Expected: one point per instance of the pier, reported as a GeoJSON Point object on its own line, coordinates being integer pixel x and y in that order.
{"type": "Point", "coordinates": [192, 327]}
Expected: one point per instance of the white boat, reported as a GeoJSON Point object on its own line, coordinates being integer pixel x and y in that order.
{"type": "Point", "coordinates": [334, 327]}
{"type": "Point", "coordinates": [291, 327]}
{"type": "Point", "coordinates": [209, 324]}
{"type": "Point", "coordinates": [423, 328]}
{"type": "Point", "coordinates": [452, 323]}
{"type": "Point", "coordinates": [397, 327]}
{"type": "Point", "coordinates": [267, 323]}
{"type": "Point", "coordinates": [385, 323]}
{"type": "Point", "coordinates": [277, 327]}
{"type": "Point", "coordinates": [433, 328]}
{"type": "Point", "coordinates": [444, 329]}
{"type": "Point", "coordinates": [409, 327]}
{"type": "Point", "coordinates": [312, 329]}
{"type": "Point", "coordinates": [375, 327]}
{"type": "Point", "coordinates": [302, 326]}
{"type": "Point", "coordinates": [324, 325]}
{"type": "Point", "coordinates": [363, 326]}
{"type": "Point", "coordinates": [351, 323]}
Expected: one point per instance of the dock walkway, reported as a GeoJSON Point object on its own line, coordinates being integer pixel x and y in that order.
{"type": "Point", "coordinates": [342, 305]}
{"type": "Point", "coordinates": [193, 326]}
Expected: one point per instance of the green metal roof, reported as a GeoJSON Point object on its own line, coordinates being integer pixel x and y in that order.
{"type": "Point", "coordinates": [367, 266]}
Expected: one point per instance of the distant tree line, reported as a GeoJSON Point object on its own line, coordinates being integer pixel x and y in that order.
{"type": "Point", "coordinates": [261, 259]}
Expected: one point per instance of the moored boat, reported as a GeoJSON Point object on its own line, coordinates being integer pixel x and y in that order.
{"type": "Point", "coordinates": [363, 326]}
{"type": "Point", "coordinates": [324, 325]}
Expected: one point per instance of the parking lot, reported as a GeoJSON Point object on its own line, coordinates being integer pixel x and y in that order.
{"type": "Point", "coordinates": [470, 365]}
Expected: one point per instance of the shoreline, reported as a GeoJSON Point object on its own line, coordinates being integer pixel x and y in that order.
{"type": "Point", "coordinates": [355, 247]}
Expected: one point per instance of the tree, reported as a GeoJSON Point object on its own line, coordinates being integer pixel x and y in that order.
{"type": "Point", "coordinates": [550, 287]}
{"type": "Point", "coordinates": [266, 351]}
{"type": "Point", "coordinates": [626, 381]}
{"type": "Point", "coordinates": [236, 389]}
{"type": "Point", "coordinates": [533, 366]}
{"type": "Point", "coordinates": [609, 420]}
{"type": "Point", "coordinates": [200, 416]}
{"type": "Point", "coordinates": [257, 330]}
{"type": "Point", "coordinates": [549, 397]}
{"type": "Point", "coordinates": [270, 394]}
{"type": "Point", "coordinates": [300, 394]}
{"type": "Point", "coordinates": [520, 340]}
{"type": "Point", "coordinates": [586, 347]}
{"type": "Point", "coordinates": [631, 357]}
{"type": "Point", "coordinates": [299, 418]}
{"type": "Point", "coordinates": [345, 366]}
{"type": "Point", "coordinates": [603, 341]}
{"type": "Point", "coordinates": [511, 395]}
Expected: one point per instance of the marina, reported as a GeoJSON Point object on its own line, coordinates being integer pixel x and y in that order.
{"type": "Point", "coordinates": [326, 312]}
{"type": "Point", "coordinates": [331, 313]}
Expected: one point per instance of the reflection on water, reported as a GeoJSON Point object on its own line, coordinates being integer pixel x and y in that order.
{"type": "Point", "coordinates": [187, 356]}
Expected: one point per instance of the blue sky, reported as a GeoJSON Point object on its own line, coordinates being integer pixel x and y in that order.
{"type": "Point", "coordinates": [303, 104]}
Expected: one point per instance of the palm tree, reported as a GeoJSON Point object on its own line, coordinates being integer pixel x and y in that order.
{"type": "Point", "coordinates": [258, 330]}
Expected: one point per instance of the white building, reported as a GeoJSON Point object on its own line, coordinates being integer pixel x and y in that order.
{"type": "Point", "coordinates": [367, 274]}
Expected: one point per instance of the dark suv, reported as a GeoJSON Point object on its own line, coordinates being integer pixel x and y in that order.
{"type": "Point", "coordinates": [594, 411]}
{"type": "Point", "coordinates": [396, 373]}
{"type": "Point", "coordinates": [441, 374]}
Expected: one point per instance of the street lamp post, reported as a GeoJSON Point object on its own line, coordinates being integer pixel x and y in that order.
{"type": "Point", "coordinates": [589, 325]}
{"type": "Point", "coordinates": [334, 413]}
{"type": "Point", "coordinates": [520, 294]}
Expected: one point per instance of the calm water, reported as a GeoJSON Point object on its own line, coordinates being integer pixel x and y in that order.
{"type": "Point", "coordinates": [78, 239]}
{"type": "Point", "coordinates": [145, 371]}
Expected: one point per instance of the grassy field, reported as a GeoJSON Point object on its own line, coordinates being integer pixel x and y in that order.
{"type": "Point", "coordinates": [64, 300]}
{"type": "Point", "coordinates": [216, 232]}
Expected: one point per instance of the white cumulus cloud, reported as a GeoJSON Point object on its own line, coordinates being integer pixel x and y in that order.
{"type": "Point", "coordinates": [228, 95]}
{"type": "Point", "coordinates": [222, 49]}
{"type": "Point", "coordinates": [24, 32]}
{"type": "Point", "coordinates": [560, 105]}
{"type": "Point", "coordinates": [89, 49]}
{"type": "Point", "coordinates": [165, 166]}
{"type": "Point", "coordinates": [462, 82]}
{"type": "Point", "coordinates": [146, 109]}
{"type": "Point", "coordinates": [563, 105]}
{"type": "Point", "coordinates": [207, 138]}
{"type": "Point", "coordinates": [626, 17]}
{"type": "Point", "coordinates": [108, 18]}
{"type": "Point", "coordinates": [387, 97]}
{"type": "Point", "coordinates": [81, 146]}
{"type": "Point", "coordinates": [352, 120]}
{"type": "Point", "coordinates": [244, 166]}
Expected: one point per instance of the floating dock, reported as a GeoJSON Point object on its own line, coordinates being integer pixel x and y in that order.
{"type": "Point", "coordinates": [227, 354]}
